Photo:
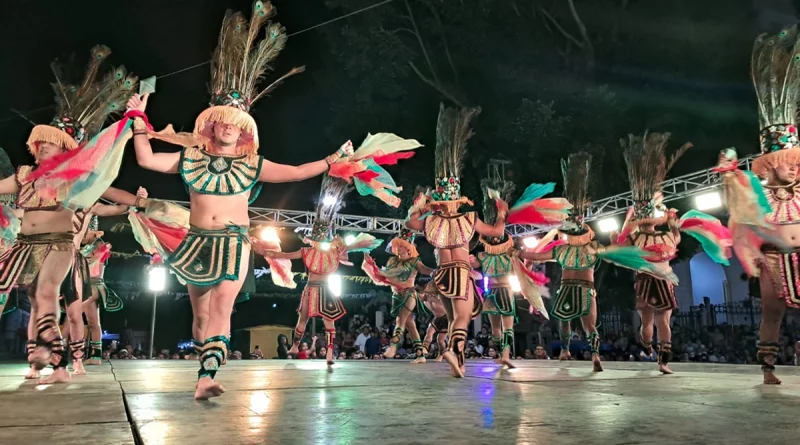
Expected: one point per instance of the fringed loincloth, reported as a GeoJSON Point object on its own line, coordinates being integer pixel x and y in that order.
{"type": "Point", "coordinates": [573, 300]}
{"type": "Point", "coordinates": [784, 274]}
{"type": "Point", "coordinates": [321, 303]}
{"type": "Point", "coordinates": [111, 301]}
{"type": "Point", "coordinates": [208, 257]}
{"type": "Point", "coordinates": [654, 293]}
{"type": "Point", "coordinates": [499, 301]}
{"type": "Point", "coordinates": [20, 265]}
{"type": "Point", "coordinates": [401, 299]}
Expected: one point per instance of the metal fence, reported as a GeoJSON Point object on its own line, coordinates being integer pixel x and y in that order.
{"type": "Point", "coordinates": [739, 313]}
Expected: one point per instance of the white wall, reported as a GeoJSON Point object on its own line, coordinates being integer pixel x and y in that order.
{"type": "Point", "coordinates": [708, 279]}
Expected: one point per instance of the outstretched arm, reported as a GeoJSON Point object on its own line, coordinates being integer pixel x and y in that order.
{"type": "Point", "coordinates": [272, 172]}
{"type": "Point", "coordinates": [296, 255]}
{"type": "Point", "coordinates": [129, 199]}
{"type": "Point", "coordinates": [160, 162]}
{"type": "Point", "coordinates": [8, 185]}
{"type": "Point", "coordinates": [424, 270]}
{"type": "Point", "coordinates": [538, 257]}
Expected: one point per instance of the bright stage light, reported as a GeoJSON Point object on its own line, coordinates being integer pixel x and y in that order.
{"type": "Point", "coordinates": [485, 283]}
{"type": "Point", "coordinates": [269, 234]}
{"type": "Point", "coordinates": [329, 200]}
{"type": "Point", "coordinates": [325, 246]}
{"type": "Point", "coordinates": [608, 225]}
{"type": "Point", "coordinates": [530, 242]}
{"type": "Point", "coordinates": [658, 213]}
{"type": "Point", "coordinates": [349, 239]}
{"type": "Point", "coordinates": [157, 278]}
{"type": "Point", "coordinates": [335, 285]}
{"type": "Point", "coordinates": [513, 280]}
{"type": "Point", "coordinates": [763, 182]}
{"type": "Point", "coordinates": [708, 201]}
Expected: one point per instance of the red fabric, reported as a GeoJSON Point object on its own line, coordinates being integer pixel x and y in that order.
{"type": "Point", "coordinates": [302, 355]}
{"type": "Point", "coordinates": [393, 158]}
{"type": "Point", "coordinates": [525, 215]}
{"type": "Point", "coordinates": [169, 237]}
{"type": "Point", "coordinates": [103, 252]}
{"type": "Point", "coordinates": [4, 221]}
{"type": "Point", "coordinates": [346, 170]}
{"type": "Point", "coordinates": [537, 277]}
{"type": "Point", "coordinates": [367, 175]}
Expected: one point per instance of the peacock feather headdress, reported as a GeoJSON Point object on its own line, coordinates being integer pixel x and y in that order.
{"type": "Point", "coordinates": [492, 189]}
{"type": "Point", "coordinates": [331, 200]}
{"type": "Point", "coordinates": [647, 164]}
{"type": "Point", "coordinates": [576, 170]}
{"type": "Point", "coordinates": [240, 61]}
{"type": "Point", "coordinates": [82, 108]}
{"type": "Point", "coordinates": [404, 239]}
{"type": "Point", "coordinates": [452, 133]}
{"type": "Point", "coordinates": [775, 69]}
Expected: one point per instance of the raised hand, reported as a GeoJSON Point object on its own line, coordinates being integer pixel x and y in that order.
{"type": "Point", "coordinates": [137, 102]}
{"type": "Point", "coordinates": [141, 193]}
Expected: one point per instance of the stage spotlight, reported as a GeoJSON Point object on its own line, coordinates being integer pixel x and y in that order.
{"type": "Point", "coordinates": [157, 278]}
{"type": "Point", "coordinates": [708, 201]}
{"type": "Point", "coordinates": [329, 200]}
{"type": "Point", "coordinates": [349, 239]}
{"type": "Point", "coordinates": [335, 285]}
{"type": "Point", "coordinates": [658, 213]}
{"type": "Point", "coordinates": [608, 225]}
{"type": "Point", "coordinates": [530, 242]}
{"type": "Point", "coordinates": [325, 246]}
{"type": "Point", "coordinates": [513, 280]}
{"type": "Point", "coordinates": [269, 234]}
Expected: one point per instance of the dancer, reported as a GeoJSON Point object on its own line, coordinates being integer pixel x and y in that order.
{"type": "Point", "coordinates": [450, 231]}
{"type": "Point", "coordinates": [221, 168]}
{"type": "Point", "coordinates": [44, 251]}
{"type": "Point", "coordinates": [321, 259]}
{"type": "Point", "coordinates": [400, 273]}
{"type": "Point", "coordinates": [429, 296]}
{"type": "Point", "coordinates": [655, 297]}
{"type": "Point", "coordinates": [765, 220]}
{"type": "Point", "coordinates": [495, 263]}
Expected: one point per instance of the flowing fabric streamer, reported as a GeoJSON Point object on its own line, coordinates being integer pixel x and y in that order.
{"type": "Point", "coordinates": [532, 209]}
{"type": "Point", "coordinates": [363, 167]}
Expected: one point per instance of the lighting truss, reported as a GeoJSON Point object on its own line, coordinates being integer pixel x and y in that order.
{"type": "Point", "coordinates": [673, 189]}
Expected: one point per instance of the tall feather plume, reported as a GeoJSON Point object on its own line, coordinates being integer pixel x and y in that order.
{"type": "Point", "coordinates": [576, 171]}
{"type": "Point", "coordinates": [240, 61]}
{"type": "Point", "coordinates": [775, 69]}
{"type": "Point", "coordinates": [647, 164]}
{"type": "Point", "coordinates": [331, 198]}
{"type": "Point", "coordinates": [92, 101]}
{"type": "Point", "coordinates": [452, 133]}
{"type": "Point", "coordinates": [503, 187]}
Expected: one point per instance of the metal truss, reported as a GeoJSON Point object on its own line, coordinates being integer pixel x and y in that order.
{"type": "Point", "coordinates": [673, 189]}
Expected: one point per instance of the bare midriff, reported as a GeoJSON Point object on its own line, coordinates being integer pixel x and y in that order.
{"type": "Point", "coordinates": [213, 212]}
{"type": "Point", "coordinates": [578, 274]}
{"type": "Point", "coordinates": [46, 221]}
{"type": "Point", "coordinates": [790, 234]}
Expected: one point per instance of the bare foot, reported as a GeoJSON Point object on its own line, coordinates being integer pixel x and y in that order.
{"type": "Point", "coordinates": [498, 361]}
{"type": "Point", "coordinates": [507, 362]}
{"type": "Point", "coordinates": [208, 388]}
{"type": "Point", "coordinates": [294, 349]}
{"type": "Point", "coordinates": [770, 379]}
{"type": "Point", "coordinates": [32, 374]}
{"type": "Point", "coordinates": [665, 370]}
{"type": "Point", "coordinates": [59, 375]}
{"type": "Point", "coordinates": [93, 362]}
{"type": "Point", "coordinates": [451, 360]}
{"type": "Point", "coordinates": [77, 367]}
{"type": "Point", "coordinates": [419, 360]}
{"type": "Point", "coordinates": [565, 355]}
{"type": "Point", "coordinates": [439, 358]}
{"type": "Point", "coordinates": [597, 366]}
{"type": "Point", "coordinates": [39, 358]}
{"type": "Point", "coordinates": [391, 351]}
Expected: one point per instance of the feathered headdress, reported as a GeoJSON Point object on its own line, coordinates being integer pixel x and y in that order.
{"type": "Point", "coordinates": [81, 109]}
{"type": "Point", "coordinates": [452, 133]}
{"type": "Point", "coordinates": [240, 62]}
{"type": "Point", "coordinates": [492, 189]}
{"type": "Point", "coordinates": [404, 239]}
{"type": "Point", "coordinates": [576, 170]}
{"type": "Point", "coordinates": [775, 68]}
{"type": "Point", "coordinates": [647, 164]}
{"type": "Point", "coordinates": [331, 199]}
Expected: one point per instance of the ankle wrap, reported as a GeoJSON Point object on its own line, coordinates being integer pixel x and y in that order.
{"type": "Point", "coordinates": [664, 352]}
{"type": "Point", "coordinates": [766, 355]}
{"type": "Point", "coordinates": [594, 343]}
{"type": "Point", "coordinates": [458, 342]}
{"type": "Point", "coordinates": [77, 348]}
{"type": "Point", "coordinates": [215, 350]}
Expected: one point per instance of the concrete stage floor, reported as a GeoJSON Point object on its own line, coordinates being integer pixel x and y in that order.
{"type": "Point", "coordinates": [392, 402]}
